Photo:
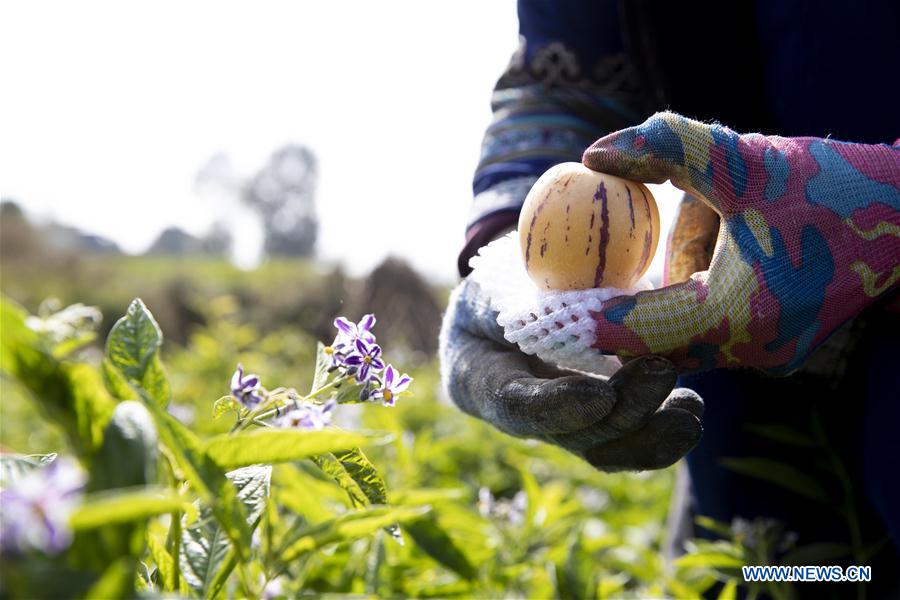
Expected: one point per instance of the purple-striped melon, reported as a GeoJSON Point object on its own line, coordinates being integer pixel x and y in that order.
{"type": "Point", "coordinates": [581, 229]}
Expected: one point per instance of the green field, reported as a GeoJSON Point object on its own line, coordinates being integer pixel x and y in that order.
{"type": "Point", "coordinates": [580, 533]}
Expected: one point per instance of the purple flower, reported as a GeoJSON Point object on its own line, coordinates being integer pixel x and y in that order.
{"type": "Point", "coordinates": [245, 388]}
{"type": "Point", "coordinates": [365, 358]}
{"type": "Point", "coordinates": [393, 385]}
{"type": "Point", "coordinates": [308, 416]}
{"type": "Point", "coordinates": [349, 332]}
{"type": "Point", "coordinates": [36, 511]}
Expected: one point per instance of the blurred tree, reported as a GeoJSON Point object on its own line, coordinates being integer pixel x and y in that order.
{"type": "Point", "coordinates": [282, 193]}
{"type": "Point", "coordinates": [174, 241]}
{"type": "Point", "coordinates": [218, 240]}
{"type": "Point", "coordinates": [408, 313]}
{"type": "Point", "coordinates": [66, 238]}
{"type": "Point", "coordinates": [18, 238]}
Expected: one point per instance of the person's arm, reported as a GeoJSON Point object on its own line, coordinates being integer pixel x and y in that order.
{"type": "Point", "coordinates": [569, 83]}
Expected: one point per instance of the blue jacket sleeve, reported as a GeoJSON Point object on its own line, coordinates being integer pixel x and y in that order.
{"type": "Point", "coordinates": [569, 83]}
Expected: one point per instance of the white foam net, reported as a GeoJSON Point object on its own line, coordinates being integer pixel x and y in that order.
{"type": "Point", "coordinates": [554, 325]}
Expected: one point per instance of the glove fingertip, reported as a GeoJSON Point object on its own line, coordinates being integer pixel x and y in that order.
{"type": "Point", "coordinates": [668, 436]}
{"type": "Point", "coordinates": [685, 399]}
{"type": "Point", "coordinates": [651, 152]}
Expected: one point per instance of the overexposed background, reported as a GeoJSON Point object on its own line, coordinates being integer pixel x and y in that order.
{"type": "Point", "coordinates": [109, 110]}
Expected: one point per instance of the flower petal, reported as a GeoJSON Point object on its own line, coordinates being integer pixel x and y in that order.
{"type": "Point", "coordinates": [367, 322]}
{"type": "Point", "coordinates": [345, 326]}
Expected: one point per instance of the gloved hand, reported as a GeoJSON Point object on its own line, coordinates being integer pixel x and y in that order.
{"type": "Point", "coordinates": [810, 236]}
{"type": "Point", "coordinates": [625, 423]}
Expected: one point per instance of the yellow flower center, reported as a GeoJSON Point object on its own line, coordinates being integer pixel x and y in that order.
{"type": "Point", "coordinates": [329, 350]}
{"type": "Point", "coordinates": [388, 394]}
{"type": "Point", "coordinates": [367, 359]}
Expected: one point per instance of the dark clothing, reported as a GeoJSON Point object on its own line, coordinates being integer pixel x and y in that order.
{"type": "Point", "coordinates": [826, 68]}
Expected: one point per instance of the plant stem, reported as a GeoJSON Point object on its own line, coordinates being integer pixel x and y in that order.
{"type": "Point", "coordinates": [259, 416]}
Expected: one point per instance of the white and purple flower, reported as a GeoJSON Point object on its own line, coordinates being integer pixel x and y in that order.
{"type": "Point", "coordinates": [307, 415]}
{"type": "Point", "coordinates": [349, 332]}
{"type": "Point", "coordinates": [36, 511]}
{"type": "Point", "coordinates": [366, 359]}
{"type": "Point", "coordinates": [245, 388]}
{"type": "Point", "coordinates": [393, 385]}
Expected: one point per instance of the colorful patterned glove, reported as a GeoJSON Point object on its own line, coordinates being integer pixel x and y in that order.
{"type": "Point", "coordinates": [629, 422]}
{"type": "Point", "coordinates": [810, 236]}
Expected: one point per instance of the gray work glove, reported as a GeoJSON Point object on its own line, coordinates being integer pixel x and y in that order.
{"type": "Point", "coordinates": [632, 421]}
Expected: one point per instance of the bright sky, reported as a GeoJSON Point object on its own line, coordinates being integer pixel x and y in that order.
{"type": "Point", "coordinates": [110, 108]}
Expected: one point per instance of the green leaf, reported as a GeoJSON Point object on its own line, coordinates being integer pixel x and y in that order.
{"type": "Point", "coordinates": [133, 346]}
{"type": "Point", "coordinates": [68, 393]}
{"type": "Point", "coordinates": [323, 362]}
{"type": "Point", "coordinates": [780, 432]}
{"type": "Point", "coordinates": [356, 474]}
{"type": "Point", "coordinates": [277, 445]}
{"type": "Point", "coordinates": [611, 585]}
{"type": "Point", "coordinates": [67, 347]}
{"type": "Point", "coordinates": [301, 493]}
{"type": "Point", "coordinates": [364, 473]}
{"type": "Point", "coordinates": [348, 393]}
{"type": "Point", "coordinates": [710, 559]}
{"type": "Point", "coordinates": [780, 474]}
{"type": "Point", "coordinates": [108, 508]}
{"type": "Point", "coordinates": [817, 554]}
{"type": "Point", "coordinates": [224, 405]}
{"type": "Point", "coordinates": [205, 545]}
{"type": "Point", "coordinates": [16, 336]}
{"type": "Point", "coordinates": [405, 497]}
{"type": "Point", "coordinates": [577, 579]}
{"type": "Point", "coordinates": [128, 454]}
{"type": "Point", "coordinates": [117, 581]}
{"type": "Point", "coordinates": [532, 493]}
{"type": "Point", "coordinates": [13, 467]}
{"type": "Point", "coordinates": [165, 564]}
{"type": "Point", "coordinates": [729, 590]}
{"type": "Point", "coordinates": [221, 578]}
{"type": "Point", "coordinates": [332, 467]}
{"type": "Point", "coordinates": [436, 543]}
{"type": "Point", "coordinates": [348, 527]}
{"type": "Point", "coordinates": [720, 529]}
{"type": "Point", "coordinates": [375, 571]}
{"type": "Point", "coordinates": [206, 477]}
{"type": "Point", "coordinates": [203, 550]}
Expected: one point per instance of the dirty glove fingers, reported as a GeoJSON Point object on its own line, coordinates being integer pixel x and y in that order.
{"type": "Point", "coordinates": [495, 384]}
{"type": "Point", "coordinates": [667, 437]}
{"type": "Point", "coordinates": [640, 387]}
